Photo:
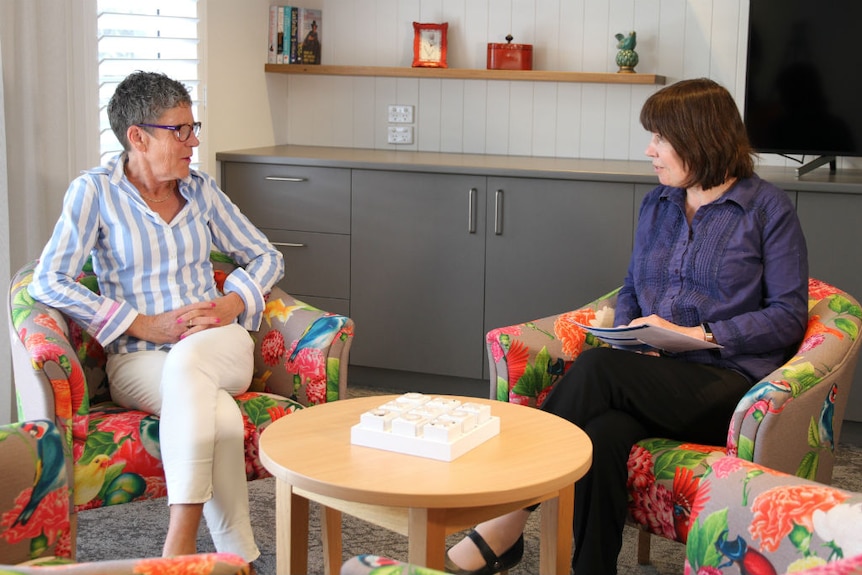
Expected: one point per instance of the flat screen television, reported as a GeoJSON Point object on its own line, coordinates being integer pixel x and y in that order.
{"type": "Point", "coordinates": [803, 90]}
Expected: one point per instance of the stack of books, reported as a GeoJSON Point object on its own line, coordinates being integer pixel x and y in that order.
{"type": "Point", "coordinates": [294, 35]}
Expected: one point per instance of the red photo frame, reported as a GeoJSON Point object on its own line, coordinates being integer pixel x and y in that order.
{"type": "Point", "coordinates": [429, 45]}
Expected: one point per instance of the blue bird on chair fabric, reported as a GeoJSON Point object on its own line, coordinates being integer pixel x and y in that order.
{"type": "Point", "coordinates": [318, 333]}
{"type": "Point", "coordinates": [827, 414]}
{"type": "Point", "coordinates": [50, 470]}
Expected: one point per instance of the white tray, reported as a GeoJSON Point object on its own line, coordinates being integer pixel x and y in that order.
{"type": "Point", "coordinates": [432, 449]}
{"type": "Point", "coordinates": [400, 426]}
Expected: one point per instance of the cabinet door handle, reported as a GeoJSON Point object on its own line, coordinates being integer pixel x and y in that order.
{"type": "Point", "coordinates": [285, 179]}
{"type": "Point", "coordinates": [471, 211]}
{"type": "Point", "coordinates": [498, 213]}
{"type": "Point", "coordinates": [288, 245]}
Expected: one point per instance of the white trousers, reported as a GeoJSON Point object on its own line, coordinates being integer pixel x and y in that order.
{"type": "Point", "coordinates": [201, 431]}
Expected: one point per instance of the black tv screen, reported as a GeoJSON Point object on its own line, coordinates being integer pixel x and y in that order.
{"type": "Point", "coordinates": [803, 91]}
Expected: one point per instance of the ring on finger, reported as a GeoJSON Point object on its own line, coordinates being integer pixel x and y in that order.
{"type": "Point", "coordinates": [189, 324]}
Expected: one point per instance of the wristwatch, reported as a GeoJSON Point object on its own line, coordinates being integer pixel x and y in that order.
{"type": "Point", "coordinates": [707, 333]}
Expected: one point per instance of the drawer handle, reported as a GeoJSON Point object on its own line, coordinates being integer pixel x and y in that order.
{"type": "Point", "coordinates": [498, 213]}
{"type": "Point", "coordinates": [471, 211]}
{"type": "Point", "coordinates": [288, 244]}
{"type": "Point", "coordinates": [285, 179]}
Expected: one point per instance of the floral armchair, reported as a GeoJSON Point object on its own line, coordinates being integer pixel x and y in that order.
{"type": "Point", "coordinates": [60, 376]}
{"type": "Point", "coordinates": [746, 519]}
{"type": "Point", "coordinates": [752, 519]}
{"type": "Point", "coordinates": [790, 421]}
{"type": "Point", "coordinates": [36, 531]}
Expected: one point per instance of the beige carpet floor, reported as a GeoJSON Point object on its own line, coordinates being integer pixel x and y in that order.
{"type": "Point", "coordinates": [137, 530]}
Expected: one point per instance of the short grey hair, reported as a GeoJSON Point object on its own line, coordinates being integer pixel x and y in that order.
{"type": "Point", "coordinates": [142, 97]}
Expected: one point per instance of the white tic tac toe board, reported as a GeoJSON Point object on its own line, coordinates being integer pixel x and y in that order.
{"type": "Point", "coordinates": [441, 428]}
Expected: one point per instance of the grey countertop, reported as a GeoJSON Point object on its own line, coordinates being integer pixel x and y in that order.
{"type": "Point", "coordinates": [640, 172]}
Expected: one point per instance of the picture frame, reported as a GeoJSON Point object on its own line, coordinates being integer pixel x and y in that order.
{"type": "Point", "coordinates": [429, 45]}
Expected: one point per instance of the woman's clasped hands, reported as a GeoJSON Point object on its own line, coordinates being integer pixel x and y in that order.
{"type": "Point", "coordinates": [174, 325]}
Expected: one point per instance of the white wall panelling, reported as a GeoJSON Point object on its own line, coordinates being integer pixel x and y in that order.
{"type": "Point", "coordinates": [676, 38]}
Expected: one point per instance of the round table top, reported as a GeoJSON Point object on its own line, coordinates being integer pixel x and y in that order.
{"type": "Point", "coordinates": [534, 454]}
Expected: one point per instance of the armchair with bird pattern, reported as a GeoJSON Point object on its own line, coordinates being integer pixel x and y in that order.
{"type": "Point", "coordinates": [301, 356]}
{"type": "Point", "coordinates": [790, 421]}
{"type": "Point", "coordinates": [36, 530]}
{"type": "Point", "coordinates": [748, 518]}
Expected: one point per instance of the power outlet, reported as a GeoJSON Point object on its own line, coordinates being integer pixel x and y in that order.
{"type": "Point", "coordinates": [400, 134]}
{"type": "Point", "coordinates": [401, 114]}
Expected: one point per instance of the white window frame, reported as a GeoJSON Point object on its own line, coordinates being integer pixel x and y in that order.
{"type": "Point", "coordinates": [93, 116]}
{"type": "Point", "coordinates": [84, 150]}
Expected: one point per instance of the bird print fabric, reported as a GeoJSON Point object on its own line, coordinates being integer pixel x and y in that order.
{"type": "Point", "coordinates": [38, 522]}
{"type": "Point", "coordinates": [756, 521]}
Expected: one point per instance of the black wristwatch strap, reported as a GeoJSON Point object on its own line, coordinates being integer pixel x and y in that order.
{"type": "Point", "coordinates": [707, 333]}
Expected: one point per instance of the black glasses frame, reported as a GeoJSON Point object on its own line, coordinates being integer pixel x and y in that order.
{"type": "Point", "coordinates": [182, 132]}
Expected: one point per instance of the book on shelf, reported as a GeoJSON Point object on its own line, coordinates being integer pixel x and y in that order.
{"type": "Point", "coordinates": [644, 337]}
{"type": "Point", "coordinates": [308, 35]}
{"type": "Point", "coordinates": [291, 17]}
{"type": "Point", "coordinates": [279, 56]}
{"type": "Point", "coordinates": [294, 35]}
{"type": "Point", "coordinates": [273, 48]}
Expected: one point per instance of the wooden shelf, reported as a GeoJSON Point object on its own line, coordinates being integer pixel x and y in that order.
{"type": "Point", "coordinates": [468, 74]}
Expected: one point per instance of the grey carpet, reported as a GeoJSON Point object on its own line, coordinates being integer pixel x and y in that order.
{"type": "Point", "coordinates": [138, 529]}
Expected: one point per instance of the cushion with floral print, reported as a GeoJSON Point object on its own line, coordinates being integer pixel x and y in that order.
{"type": "Point", "coordinates": [118, 460]}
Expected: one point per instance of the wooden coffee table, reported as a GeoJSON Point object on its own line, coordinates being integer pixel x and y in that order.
{"type": "Point", "coordinates": [537, 457]}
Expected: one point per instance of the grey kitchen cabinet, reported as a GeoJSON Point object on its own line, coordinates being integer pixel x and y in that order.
{"type": "Point", "coordinates": [553, 245]}
{"type": "Point", "coordinates": [417, 280]}
{"type": "Point", "coordinates": [424, 289]}
{"type": "Point", "coordinates": [433, 270]}
{"type": "Point", "coordinates": [305, 213]}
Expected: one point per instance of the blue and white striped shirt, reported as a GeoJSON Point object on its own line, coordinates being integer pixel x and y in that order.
{"type": "Point", "coordinates": [146, 265]}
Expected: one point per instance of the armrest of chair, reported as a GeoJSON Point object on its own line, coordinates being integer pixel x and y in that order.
{"type": "Point", "coordinates": [809, 392]}
{"type": "Point", "coordinates": [749, 514]}
{"type": "Point", "coordinates": [35, 506]}
{"type": "Point", "coordinates": [301, 352]}
{"type": "Point", "coordinates": [49, 377]}
{"type": "Point", "coordinates": [527, 359]}
{"type": "Point", "coordinates": [201, 564]}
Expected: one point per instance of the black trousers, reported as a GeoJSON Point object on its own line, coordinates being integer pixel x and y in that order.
{"type": "Point", "coordinates": [619, 397]}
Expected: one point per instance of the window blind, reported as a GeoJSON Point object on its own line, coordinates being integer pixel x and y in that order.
{"type": "Point", "coordinates": [150, 35]}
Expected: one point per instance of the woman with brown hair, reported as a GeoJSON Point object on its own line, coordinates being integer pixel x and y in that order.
{"type": "Point", "coordinates": [718, 255]}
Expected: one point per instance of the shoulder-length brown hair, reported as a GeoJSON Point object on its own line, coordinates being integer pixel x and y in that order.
{"type": "Point", "coordinates": [701, 121]}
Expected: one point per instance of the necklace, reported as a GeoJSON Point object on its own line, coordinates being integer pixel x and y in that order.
{"type": "Point", "coordinates": [154, 200]}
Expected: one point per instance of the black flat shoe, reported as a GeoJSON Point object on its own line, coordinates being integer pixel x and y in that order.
{"type": "Point", "coordinates": [493, 564]}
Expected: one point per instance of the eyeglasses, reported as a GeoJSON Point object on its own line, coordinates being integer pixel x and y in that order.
{"type": "Point", "coordinates": [182, 131]}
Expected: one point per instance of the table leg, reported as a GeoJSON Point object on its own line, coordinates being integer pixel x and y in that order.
{"type": "Point", "coordinates": [426, 537]}
{"type": "Point", "coordinates": [291, 530]}
{"type": "Point", "coordinates": [555, 548]}
{"type": "Point", "coordinates": [330, 527]}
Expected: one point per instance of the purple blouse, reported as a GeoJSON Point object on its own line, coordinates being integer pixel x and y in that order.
{"type": "Point", "coordinates": [741, 267]}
